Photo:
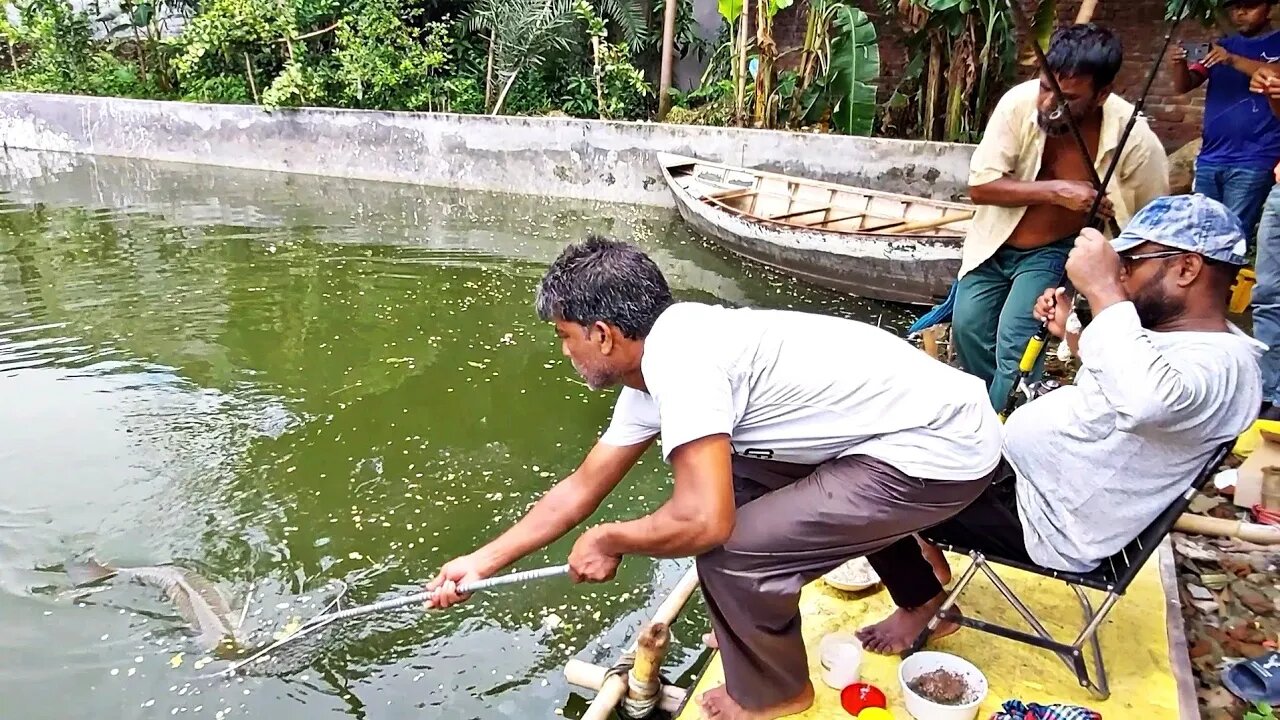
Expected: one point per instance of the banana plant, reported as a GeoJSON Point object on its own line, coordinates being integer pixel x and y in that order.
{"type": "Point", "coordinates": [846, 95]}
{"type": "Point", "coordinates": [767, 51]}
{"type": "Point", "coordinates": [732, 11]}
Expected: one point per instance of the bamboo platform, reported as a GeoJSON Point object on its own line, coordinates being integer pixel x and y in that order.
{"type": "Point", "coordinates": [1142, 640]}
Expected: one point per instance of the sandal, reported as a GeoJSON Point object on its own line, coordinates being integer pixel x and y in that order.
{"type": "Point", "coordinates": [1256, 679]}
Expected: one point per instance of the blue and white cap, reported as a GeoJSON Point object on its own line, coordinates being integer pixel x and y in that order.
{"type": "Point", "coordinates": [1195, 223]}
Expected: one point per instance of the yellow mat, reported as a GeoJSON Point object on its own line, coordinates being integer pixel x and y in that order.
{"type": "Point", "coordinates": [1134, 643]}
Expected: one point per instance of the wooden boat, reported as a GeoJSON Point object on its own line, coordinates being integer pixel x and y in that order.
{"type": "Point", "coordinates": [869, 243]}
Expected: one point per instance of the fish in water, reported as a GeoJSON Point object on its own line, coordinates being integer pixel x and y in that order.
{"type": "Point", "coordinates": [196, 599]}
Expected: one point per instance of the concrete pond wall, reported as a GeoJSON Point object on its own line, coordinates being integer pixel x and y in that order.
{"type": "Point", "coordinates": [554, 156]}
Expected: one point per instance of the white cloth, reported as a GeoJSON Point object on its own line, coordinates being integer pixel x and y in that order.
{"type": "Point", "coordinates": [1098, 461]}
{"type": "Point", "coordinates": [806, 388]}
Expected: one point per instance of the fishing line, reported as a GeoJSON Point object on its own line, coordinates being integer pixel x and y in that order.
{"type": "Point", "coordinates": [1035, 346]}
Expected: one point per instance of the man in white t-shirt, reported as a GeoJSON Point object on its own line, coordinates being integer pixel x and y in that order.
{"type": "Point", "coordinates": [797, 442]}
{"type": "Point", "coordinates": [1164, 380]}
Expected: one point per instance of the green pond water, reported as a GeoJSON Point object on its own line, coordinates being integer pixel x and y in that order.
{"type": "Point", "coordinates": [287, 381]}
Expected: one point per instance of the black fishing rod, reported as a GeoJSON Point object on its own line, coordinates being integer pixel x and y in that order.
{"type": "Point", "coordinates": [1036, 345]}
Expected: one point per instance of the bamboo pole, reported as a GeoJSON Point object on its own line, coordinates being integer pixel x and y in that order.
{"type": "Point", "coordinates": [644, 682]}
{"type": "Point", "coordinates": [1087, 9]}
{"type": "Point", "coordinates": [591, 676]}
{"type": "Point", "coordinates": [1249, 532]}
{"type": "Point", "coordinates": [615, 687]}
{"type": "Point", "coordinates": [668, 58]}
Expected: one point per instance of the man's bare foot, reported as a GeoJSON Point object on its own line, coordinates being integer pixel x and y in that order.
{"type": "Point", "coordinates": [716, 703]}
{"type": "Point", "coordinates": [938, 561]}
{"type": "Point", "coordinates": [709, 639]}
{"type": "Point", "coordinates": [897, 632]}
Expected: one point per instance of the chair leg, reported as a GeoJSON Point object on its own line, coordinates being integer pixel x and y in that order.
{"type": "Point", "coordinates": [975, 560]}
{"type": "Point", "coordinates": [1017, 603]}
{"type": "Point", "coordinates": [1099, 688]}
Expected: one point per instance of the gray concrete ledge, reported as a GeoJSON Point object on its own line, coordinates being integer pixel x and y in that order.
{"type": "Point", "coordinates": [560, 157]}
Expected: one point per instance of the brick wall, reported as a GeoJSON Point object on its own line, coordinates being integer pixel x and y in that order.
{"type": "Point", "coordinates": [1140, 24]}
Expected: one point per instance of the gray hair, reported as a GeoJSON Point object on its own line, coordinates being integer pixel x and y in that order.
{"type": "Point", "coordinates": [603, 280]}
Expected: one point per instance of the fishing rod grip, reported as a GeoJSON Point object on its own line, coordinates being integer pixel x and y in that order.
{"type": "Point", "coordinates": [1032, 352]}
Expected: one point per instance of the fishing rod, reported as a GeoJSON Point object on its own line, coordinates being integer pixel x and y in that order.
{"type": "Point", "coordinates": [1035, 346]}
{"type": "Point", "coordinates": [1062, 111]}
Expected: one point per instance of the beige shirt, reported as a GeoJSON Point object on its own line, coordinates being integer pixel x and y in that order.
{"type": "Point", "coordinates": [1013, 146]}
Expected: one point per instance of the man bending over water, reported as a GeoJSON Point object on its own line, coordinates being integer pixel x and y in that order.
{"type": "Point", "coordinates": [797, 441]}
{"type": "Point", "coordinates": [1164, 380]}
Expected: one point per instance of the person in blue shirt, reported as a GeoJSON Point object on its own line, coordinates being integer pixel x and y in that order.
{"type": "Point", "coordinates": [1241, 135]}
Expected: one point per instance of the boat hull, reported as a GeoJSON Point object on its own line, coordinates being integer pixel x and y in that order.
{"type": "Point", "coordinates": [910, 270]}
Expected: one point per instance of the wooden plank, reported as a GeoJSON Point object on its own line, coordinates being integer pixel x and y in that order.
{"type": "Point", "coordinates": [839, 218]}
{"type": "Point", "coordinates": [798, 213]}
{"type": "Point", "coordinates": [903, 226]}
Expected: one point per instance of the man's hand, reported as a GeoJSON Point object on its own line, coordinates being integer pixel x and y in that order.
{"type": "Point", "coordinates": [1094, 269]}
{"type": "Point", "coordinates": [1266, 81]}
{"type": "Point", "coordinates": [590, 560]}
{"type": "Point", "coordinates": [1078, 195]}
{"type": "Point", "coordinates": [461, 570]}
{"type": "Point", "coordinates": [1053, 308]}
{"type": "Point", "coordinates": [1217, 56]}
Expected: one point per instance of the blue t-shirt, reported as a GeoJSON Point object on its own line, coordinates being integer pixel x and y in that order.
{"type": "Point", "coordinates": [1239, 128]}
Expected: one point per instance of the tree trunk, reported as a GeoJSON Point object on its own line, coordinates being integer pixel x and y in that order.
{"type": "Point", "coordinates": [598, 73]}
{"type": "Point", "coordinates": [668, 57]}
{"type": "Point", "coordinates": [740, 102]}
{"type": "Point", "coordinates": [488, 72]}
{"type": "Point", "coordinates": [248, 71]}
{"type": "Point", "coordinates": [768, 52]}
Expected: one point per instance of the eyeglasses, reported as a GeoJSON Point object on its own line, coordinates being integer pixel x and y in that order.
{"type": "Point", "coordinates": [1128, 260]}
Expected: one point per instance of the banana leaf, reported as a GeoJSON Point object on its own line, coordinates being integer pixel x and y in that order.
{"type": "Point", "coordinates": [1042, 24]}
{"type": "Point", "coordinates": [730, 9]}
{"type": "Point", "coordinates": [854, 69]}
{"type": "Point", "coordinates": [773, 6]}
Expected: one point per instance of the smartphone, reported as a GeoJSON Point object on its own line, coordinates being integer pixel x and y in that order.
{"type": "Point", "coordinates": [1195, 51]}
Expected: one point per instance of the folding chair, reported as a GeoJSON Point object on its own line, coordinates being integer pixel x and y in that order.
{"type": "Point", "coordinates": [1113, 577]}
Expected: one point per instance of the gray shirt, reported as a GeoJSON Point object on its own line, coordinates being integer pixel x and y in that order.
{"type": "Point", "coordinates": [1097, 461]}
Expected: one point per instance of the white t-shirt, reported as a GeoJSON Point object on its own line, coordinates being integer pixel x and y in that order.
{"type": "Point", "coordinates": [806, 388]}
{"type": "Point", "coordinates": [1099, 460]}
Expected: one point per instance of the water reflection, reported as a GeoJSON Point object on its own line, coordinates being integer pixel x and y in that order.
{"type": "Point", "coordinates": [285, 380]}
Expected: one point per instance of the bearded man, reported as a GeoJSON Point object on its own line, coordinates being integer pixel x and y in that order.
{"type": "Point", "coordinates": [1033, 190]}
{"type": "Point", "coordinates": [1165, 378]}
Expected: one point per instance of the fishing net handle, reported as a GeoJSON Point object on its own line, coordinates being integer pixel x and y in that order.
{"type": "Point", "coordinates": [419, 598]}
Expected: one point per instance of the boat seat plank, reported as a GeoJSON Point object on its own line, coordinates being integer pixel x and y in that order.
{"type": "Point", "coordinates": [798, 213]}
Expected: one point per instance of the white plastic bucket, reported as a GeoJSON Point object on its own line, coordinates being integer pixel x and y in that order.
{"type": "Point", "coordinates": [925, 662]}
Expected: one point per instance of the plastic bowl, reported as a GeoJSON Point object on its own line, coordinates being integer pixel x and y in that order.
{"type": "Point", "coordinates": [928, 661]}
{"type": "Point", "coordinates": [854, 575]}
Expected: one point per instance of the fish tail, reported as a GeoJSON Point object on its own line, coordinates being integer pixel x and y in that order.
{"type": "Point", "coordinates": [89, 572]}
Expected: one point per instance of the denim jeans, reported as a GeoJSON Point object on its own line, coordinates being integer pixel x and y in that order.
{"type": "Point", "coordinates": [1266, 296]}
{"type": "Point", "coordinates": [1242, 190]}
{"type": "Point", "coordinates": [992, 321]}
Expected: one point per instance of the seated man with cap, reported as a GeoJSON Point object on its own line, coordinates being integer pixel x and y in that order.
{"type": "Point", "coordinates": [1165, 378]}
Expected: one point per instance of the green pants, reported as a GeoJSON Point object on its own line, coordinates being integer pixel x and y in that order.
{"type": "Point", "coordinates": [993, 319]}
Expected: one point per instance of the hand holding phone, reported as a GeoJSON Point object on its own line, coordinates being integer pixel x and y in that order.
{"type": "Point", "coordinates": [1193, 52]}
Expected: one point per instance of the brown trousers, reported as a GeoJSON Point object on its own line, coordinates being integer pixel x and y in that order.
{"type": "Point", "coordinates": [794, 524]}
